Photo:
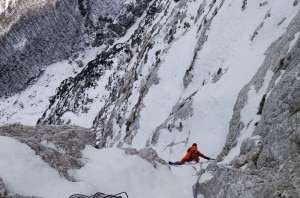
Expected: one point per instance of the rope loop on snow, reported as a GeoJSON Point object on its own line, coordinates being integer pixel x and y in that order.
{"type": "Point", "coordinates": [101, 195]}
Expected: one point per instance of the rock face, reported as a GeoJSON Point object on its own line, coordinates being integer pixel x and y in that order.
{"type": "Point", "coordinates": [59, 146]}
{"type": "Point", "coordinates": [36, 34]}
{"type": "Point", "coordinates": [148, 154]}
{"type": "Point", "coordinates": [2, 188]}
{"type": "Point", "coordinates": [268, 163]}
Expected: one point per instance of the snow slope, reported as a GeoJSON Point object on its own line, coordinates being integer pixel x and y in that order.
{"type": "Point", "coordinates": [109, 171]}
{"type": "Point", "coordinates": [28, 106]}
{"type": "Point", "coordinates": [229, 46]}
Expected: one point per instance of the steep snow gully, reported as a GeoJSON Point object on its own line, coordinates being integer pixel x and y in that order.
{"type": "Point", "coordinates": [96, 96]}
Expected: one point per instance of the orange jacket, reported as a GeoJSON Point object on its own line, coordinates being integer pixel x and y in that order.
{"type": "Point", "coordinates": [192, 155]}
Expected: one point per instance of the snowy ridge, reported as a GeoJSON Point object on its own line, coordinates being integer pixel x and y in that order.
{"type": "Point", "coordinates": [12, 10]}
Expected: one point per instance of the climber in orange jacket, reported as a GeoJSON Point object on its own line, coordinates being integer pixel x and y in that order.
{"type": "Point", "coordinates": [192, 154]}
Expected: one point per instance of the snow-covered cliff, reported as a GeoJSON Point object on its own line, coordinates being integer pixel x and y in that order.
{"type": "Point", "coordinates": [164, 74]}
{"type": "Point", "coordinates": [262, 147]}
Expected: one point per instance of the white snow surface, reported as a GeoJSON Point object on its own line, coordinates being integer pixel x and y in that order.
{"type": "Point", "coordinates": [293, 42]}
{"type": "Point", "coordinates": [229, 47]}
{"type": "Point", "coordinates": [109, 171]}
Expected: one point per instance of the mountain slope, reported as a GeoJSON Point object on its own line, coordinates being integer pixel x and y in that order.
{"type": "Point", "coordinates": [177, 75]}
{"type": "Point", "coordinates": [38, 33]}
{"type": "Point", "coordinates": [222, 73]}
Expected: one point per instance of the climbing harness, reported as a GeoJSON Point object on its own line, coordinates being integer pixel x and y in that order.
{"type": "Point", "coordinates": [101, 195]}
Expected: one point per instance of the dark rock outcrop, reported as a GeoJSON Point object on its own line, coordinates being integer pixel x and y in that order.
{"type": "Point", "coordinates": [2, 189]}
{"type": "Point", "coordinates": [148, 154]}
{"type": "Point", "coordinates": [59, 146]}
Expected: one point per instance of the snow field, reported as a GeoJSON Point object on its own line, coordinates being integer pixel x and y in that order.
{"type": "Point", "coordinates": [109, 171]}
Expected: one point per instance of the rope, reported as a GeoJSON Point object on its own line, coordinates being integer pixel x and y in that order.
{"type": "Point", "coordinates": [100, 195]}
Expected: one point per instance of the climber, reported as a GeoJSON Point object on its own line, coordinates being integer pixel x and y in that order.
{"type": "Point", "coordinates": [192, 154]}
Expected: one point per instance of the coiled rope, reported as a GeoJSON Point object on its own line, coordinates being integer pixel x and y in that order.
{"type": "Point", "coordinates": [101, 195]}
